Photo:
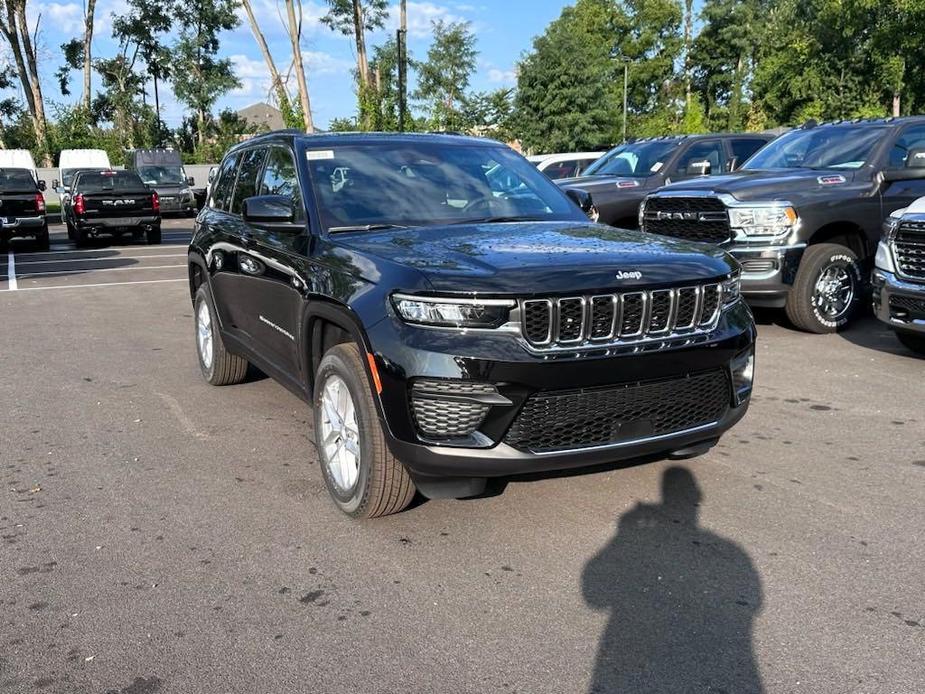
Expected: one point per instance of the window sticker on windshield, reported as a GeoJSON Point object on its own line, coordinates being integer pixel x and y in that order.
{"type": "Point", "coordinates": [627, 184]}
{"type": "Point", "coordinates": [318, 154]}
{"type": "Point", "coordinates": [656, 166]}
{"type": "Point", "coordinates": [833, 180]}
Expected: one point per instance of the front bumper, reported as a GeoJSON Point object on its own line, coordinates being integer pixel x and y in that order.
{"type": "Point", "coordinates": [897, 302]}
{"type": "Point", "coordinates": [768, 272]}
{"type": "Point", "coordinates": [22, 226]}
{"type": "Point", "coordinates": [405, 354]}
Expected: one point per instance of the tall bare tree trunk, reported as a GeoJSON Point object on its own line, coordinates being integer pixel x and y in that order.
{"type": "Point", "coordinates": [282, 96]}
{"type": "Point", "coordinates": [896, 104]}
{"type": "Point", "coordinates": [359, 33]}
{"type": "Point", "coordinates": [688, 39]}
{"type": "Point", "coordinates": [15, 30]}
{"type": "Point", "coordinates": [88, 53]}
{"type": "Point", "coordinates": [294, 36]}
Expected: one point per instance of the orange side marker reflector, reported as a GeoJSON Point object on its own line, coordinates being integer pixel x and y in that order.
{"type": "Point", "coordinates": [375, 372]}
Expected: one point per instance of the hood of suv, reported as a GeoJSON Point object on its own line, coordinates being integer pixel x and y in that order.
{"type": "Point", "coordinates": [769, 184]}
{"type": "Point", "coordinates": [537, 258]}
{"type": "Point", "coordinates": [594, 184]}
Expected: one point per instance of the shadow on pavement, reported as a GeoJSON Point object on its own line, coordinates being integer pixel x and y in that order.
{"type": "Point", "coordinates": [681, 599]}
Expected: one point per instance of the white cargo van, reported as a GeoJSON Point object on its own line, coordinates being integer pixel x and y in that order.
{"type": "Point", "coordinates": [18, 159]}
{"type": "Point", "coordinates": [73, 160]}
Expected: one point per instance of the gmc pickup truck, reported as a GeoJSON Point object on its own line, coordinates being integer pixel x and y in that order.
{"type": "Point", "coordinates": [803, 216]}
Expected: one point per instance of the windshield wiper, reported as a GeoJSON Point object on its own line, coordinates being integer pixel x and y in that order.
{"type": "Point", "coordinates": [367, 227]}
{"type": "Point", "coordinates": [496, 220]}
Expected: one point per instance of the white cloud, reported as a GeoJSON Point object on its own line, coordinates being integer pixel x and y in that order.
{"type": "Point", "coordinates": [321, 63]}
{"type": "Point", "coordinates": [58, 19]}
{"type": "Point", "coordinates": [273, 22]}
{"type": "Point", "coordinates": [420, 16]}
{"type": "Point", "coordinates": [497, 76]}
{"type": "Point", "coordinates": [255, 75]}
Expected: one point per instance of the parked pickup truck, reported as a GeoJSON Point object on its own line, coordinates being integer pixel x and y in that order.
{"type": "Point", "coordinates": [804, 215]}
{"type": "Point", "coordinates": [620, 180]}
{"type": "Point", "coordinates": [22, 207]}
{"type": "Point", "coordinates": [899, 275]}
{"type": "Point", "coordinates": [111, 202]}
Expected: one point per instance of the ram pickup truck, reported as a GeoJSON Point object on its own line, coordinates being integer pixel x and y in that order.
{"type": "Point", "coordinates": [804, 215]}
{"type": "Point", "coordinates": [114, 203]}
{"type": "Point", "coordinates": [620, 180]}
{"type": "Point", "coordinates": [22, 207]}
{"type": "Point", "coordinates": [453, 315]}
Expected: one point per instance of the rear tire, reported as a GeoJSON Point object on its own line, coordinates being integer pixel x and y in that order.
{"type": "Point", "coordinates": [219, 366]}
{"type": "Point", "coordinates": [42, 240]}
{"type": "Point", "coordinates": [828, 289]}
{"type": "Point", "coordinates": [913, 341]}
{"type": "Point", "coordinates": [371, 483]}
{"type": "Point", "coordinates": [80, 237]}
{"type": "Point", "coordinates": [153, 236]}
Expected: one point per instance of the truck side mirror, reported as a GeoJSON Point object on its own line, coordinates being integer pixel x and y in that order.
{"type": "Point", "coordinates": [42, 185]}
{"type": "Point", "coordinates": [190, 181]}
{"type": "Point", "coordinates": [582, 198]}
{"type": "Point", "coordinates": [916, 158]}
{"type": "Point", "coordinates": [55, 184]}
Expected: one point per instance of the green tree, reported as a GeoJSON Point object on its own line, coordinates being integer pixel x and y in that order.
{"type": "Point", "coordinates": [492, 114]}
{"type": "Point", "coordinates": [120, 99]}
{"type": "Point", "coordinates": [200, 77]}
{"type": "Point", "coordinates": [444, 76]}
{"type": "Point", "coordinates": [567, 86]}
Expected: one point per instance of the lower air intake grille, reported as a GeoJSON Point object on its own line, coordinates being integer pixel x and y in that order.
{"type": "Point", "coordinates": [907, 307]}
{"type": "Point", "coordinates": [571, 420]}
{"type": "Point", "coordinates": [450, 416]}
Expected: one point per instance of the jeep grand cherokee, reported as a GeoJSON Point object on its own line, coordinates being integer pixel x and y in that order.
{"type": "Point", "coordinates": [449, 325]}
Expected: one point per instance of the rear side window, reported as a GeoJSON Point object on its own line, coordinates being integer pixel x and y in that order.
{"type": "Point", "coordinates": [110, 181]}
{"type": "Point", "coordinates": [280, 178]}
{"type": "Point", "coordinates": [913, 138]}
{"type": "Point", "coordinates": [743, 148]}
{"type": "Point", "coordinates": [710, 151]}
{"type": "Point", "coordinates": [224, 183]}
{"type": "Point", "coordinates": [248, 173]}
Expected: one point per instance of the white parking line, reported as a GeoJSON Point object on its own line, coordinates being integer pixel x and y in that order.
{"type": "Point", "coordinates": [105, 258]}
{"type": "Point", "coordinates": [99, 269]}
{"type": "Point", "coordinates": [102, 284]}
{"type": "Point", "coordinates": [11, 272]}
{"type": "Point", "coordinates": [98, 250]}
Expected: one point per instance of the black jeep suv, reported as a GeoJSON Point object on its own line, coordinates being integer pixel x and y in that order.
{"type": "Point", "coordinates": [620, 180]}
{"type": "Point", "coordinates": [111, 202]}
{"type": "Point", "coordinates": [448, 327]}
{"type": "Point", "coordinates": [22, 207]}
{"type": "Point", "coordinates": [803, 216]}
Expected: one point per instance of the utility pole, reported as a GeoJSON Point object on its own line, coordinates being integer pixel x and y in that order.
{"type": "Point", "coordinates": [403, 67]}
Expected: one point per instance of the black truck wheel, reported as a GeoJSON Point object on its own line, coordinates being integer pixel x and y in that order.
{"type": "Point", "coordinates": [42, 240]}
{"type": "Point", "coordinates": [914, 341]}
{"type": "Point", "coordinates": [219, 366]}
{"type": "Point", "coordinates": [362, 476]}
{"type": "Point", "coordinates": [828, 289]}
{"type": "Point", "coordinates": [154, 235]}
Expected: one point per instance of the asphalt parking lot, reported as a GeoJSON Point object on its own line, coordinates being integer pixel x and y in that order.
{"type": "Point", "coordinates": [159, 535]}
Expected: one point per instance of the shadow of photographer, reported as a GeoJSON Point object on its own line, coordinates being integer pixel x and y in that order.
{"type": "Point", "coordinates": [682, 601]}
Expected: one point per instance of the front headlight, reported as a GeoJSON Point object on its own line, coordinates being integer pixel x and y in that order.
{"type": "Point", "coordinates": [884, 258]}
{"type": "Point", "coordinates": [777, 219]}
{"type": "Point", "coordinates": [453, 313]}
{"type": "Point", "coordinates": [891, 225]}
{"type": "Point", "coordinates": [732, 289]}
{"type": "Point", "coordinates": [642, 214]}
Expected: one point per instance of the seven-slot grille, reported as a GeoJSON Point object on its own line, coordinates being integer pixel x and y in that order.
{"type": "Point", "coordinates": [569, 420]}
{"type": "Point", "coordinates": [909, 247]}
{"type": "Point", "coordinates": [702, 219]}
{"type": "Point", "coordinates": [620, 318]}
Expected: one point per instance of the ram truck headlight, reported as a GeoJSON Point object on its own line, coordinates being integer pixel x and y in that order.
{"type": "Point", "coordinates": [732, 289]}
{"type": "Point", "coordinates": [774, 220]}
{"type": "Point", "coordinates": [884, 258]}
{"type": "Point", "coordinates": [453, 313]}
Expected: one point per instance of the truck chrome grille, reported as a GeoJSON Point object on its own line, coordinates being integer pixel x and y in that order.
{"type": "Point", "coordinates": [701, 219]}
{"type": "Point", "coordinates": [909, 248]}
{"type": "Point", "coordinates": [615, 319]}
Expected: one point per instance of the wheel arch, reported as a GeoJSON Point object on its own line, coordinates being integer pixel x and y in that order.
{"type": "Point", "coordinates": [326, 324]}
{"type": "Point", "coordinates": [844, 233]}
{"type": "Point", "coordinates": [198, 272]}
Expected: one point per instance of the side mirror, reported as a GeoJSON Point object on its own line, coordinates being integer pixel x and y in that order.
{"type": "Point", "coordinates": [42, 186]}
{"type": "Point", "coordinates": [212, 173]}
{"type": "Point", "coordinates": [582, 198]}
{"type": "Point", "coordinates": [55, 184]}
{"type": "Point", "coordinates": [190, 181]}
{"type": "Point", "coordinates": [916, 158]}
{"type": "Point", "coordinates": [270, 210]}
{"type": "Point", "coordinates": [699, 167]}
{"type": "Point", "coordinates": [906, 174]}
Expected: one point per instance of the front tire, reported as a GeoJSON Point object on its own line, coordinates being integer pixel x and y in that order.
{"type": "Point", "coordinates": [154, 236]}
{"type": "Point", "coordinates": [913, 341]}
{"type": "Point", "coordinates": [828, 289]}
{"type": "Point", "coordinates": [219, 366]}
{"type": "Point", "coordinates": [362, 476]}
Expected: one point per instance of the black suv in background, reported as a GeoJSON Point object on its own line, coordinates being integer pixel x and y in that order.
{"type": "Point", "coordinates": [111, 202]}
{"type": "Point", "coordinates": [620, 180]}
{"type": "Point", "coordinates": [804, 215]}
{"type": "Point", "coordinates": [453, 315]}
{"type": "Point", "coordinates": [22, 207]}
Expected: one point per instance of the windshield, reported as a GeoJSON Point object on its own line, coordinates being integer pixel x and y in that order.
{"type": "Point", "coordinates": [426, 183]}
{"type": "Point", "coordinates": [161, 175]}
{"type": "Point", "coordinates": [827, 147]}
{"type": "Point", "coordinates": [638, 159]}
{"type": "Point", "coordinates": [16, 181]}
{"type": "Point", "coordinates": [116, 181]}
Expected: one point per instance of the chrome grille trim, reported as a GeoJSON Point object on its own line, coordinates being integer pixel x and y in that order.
{"type": "Point", "coordinates": [909, 249]}
{"type": "Point", "coordinates": [624, 327]}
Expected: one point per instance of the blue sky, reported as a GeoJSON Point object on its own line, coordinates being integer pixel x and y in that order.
{"type": "Point", "coordinates": [505, 29]}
